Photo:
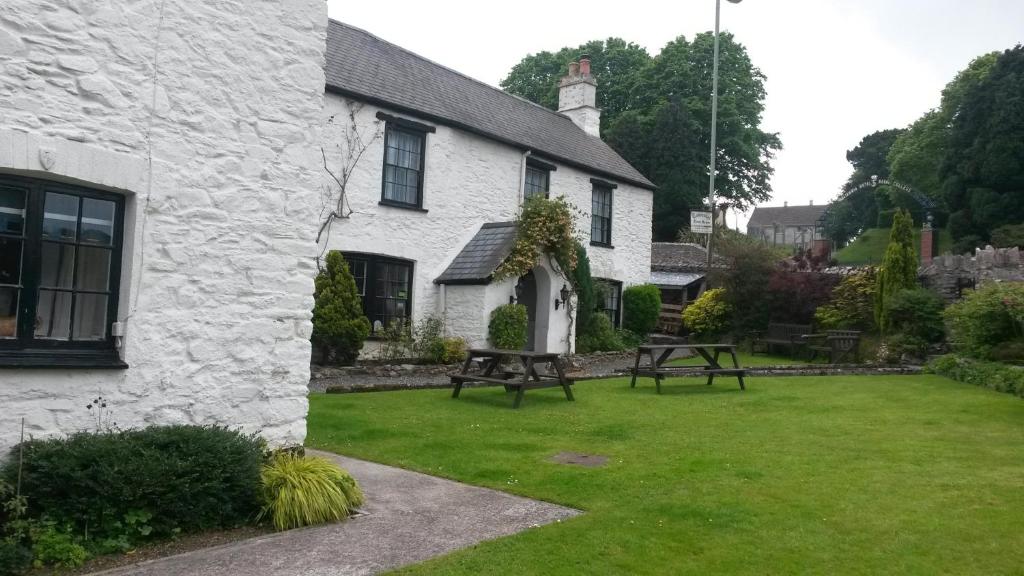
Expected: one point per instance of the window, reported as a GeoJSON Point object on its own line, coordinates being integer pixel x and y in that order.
{"type": "Point", "coordinates": [538, 179]}
{"type": "Point", "coordinates": [601, 214]}
{"type": "Point", "coordinates": [385, 285]}
{"type": "Point", "coordinates": [611, 292]}
{"type": "Point", "coordinates": [60, 262]}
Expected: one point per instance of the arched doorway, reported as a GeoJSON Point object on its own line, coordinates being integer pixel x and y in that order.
{"type": "Point", "coordinates": [528, 298]}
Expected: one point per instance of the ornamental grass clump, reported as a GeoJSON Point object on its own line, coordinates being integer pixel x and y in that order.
{"type": "Point", "coordinates": [305, 491]}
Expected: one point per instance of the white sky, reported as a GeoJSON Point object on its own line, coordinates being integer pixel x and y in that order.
{"type": "Point", "coordinates": [837, 69]}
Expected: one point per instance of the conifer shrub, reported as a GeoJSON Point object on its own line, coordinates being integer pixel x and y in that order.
{"type": "Point", "coordinates": [339, 326]}
{"type": "Point", "coordinates": [641, 306]}
{"type": "Point", "coordinates": [899, 266]}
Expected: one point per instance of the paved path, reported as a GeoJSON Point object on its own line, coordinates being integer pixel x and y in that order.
{"type": "Point", "coordinates": [410, 517]}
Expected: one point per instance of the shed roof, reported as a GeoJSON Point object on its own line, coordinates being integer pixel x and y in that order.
{"type": "Point", "coordinates": [481, 256]}
{"type": "Point", "coordinates": [680, 257]}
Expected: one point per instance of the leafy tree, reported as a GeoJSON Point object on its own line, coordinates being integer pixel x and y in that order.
{"type": "Point", "coordinates": [749, 267]}
{"type": "Point", "coordinates": [339, 326]}
{"type": "Point", "coordinates": [858, 209]}
{"type": "Point", "coordinates": [899, 267]}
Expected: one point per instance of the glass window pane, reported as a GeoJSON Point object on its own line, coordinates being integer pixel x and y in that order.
{"type": "Point", "coordinates": [10, 261]}
{"type": "Point", "coordinates": [53, 315]}
{"type": "Point", "coordinates": [58, 265]}
{"type": "Point", "coordinates": [90, 317]}
{"type": "Point", "coordinates": [60, 217]}
{"type": "Point", "coordinates": [93, 268]}
{"type": "Point", "coordinates": [9, 312]}
{"type": "Point", "coordinates": [12, 211]}
{"type": "Point", "coordinates": [97, 222]}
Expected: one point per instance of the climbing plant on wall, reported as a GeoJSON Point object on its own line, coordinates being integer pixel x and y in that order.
{"type": "Point", "coordinates": [545, 226]}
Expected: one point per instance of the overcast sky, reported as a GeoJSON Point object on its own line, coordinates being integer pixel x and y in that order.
{"type": "Point", "coordinates": [837, 69]}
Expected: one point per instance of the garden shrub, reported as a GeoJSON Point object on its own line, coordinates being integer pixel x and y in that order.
{"type": "Point", "coordinates": [599, 337]}
{"type": "Point", "coordinates": [339, 326]}
{"type": "Point", "coordinates": [1009, 352]}
{"type": "Point", "coordinates": [708, 315]}
{"type": "Point", "coordinates": [396, 340]}
{"type": "Point", "coordinates": [851, 305]}
{"type": "Point", "coordinates": [15, 558]}
{"type": "Point", "coordinates": [304, 491]}
{"type": "Point", "coordinates": [586, 295]}
{"type": "Point", "coordinates": [750, 267]}
{"type": "Point", "coordinates": [993, 375]}
{"type": "Point", "coordinates": [428, 339]}
{"type": "Point", "coordinates": [54, 547]}
{"type": "Point", "coordinates": [184, 478]}
{"type": "Point", "coordinates": [507, 328]}
{"type": "Point", "coordinates": [641, 306]}
{"type": "Point", "coordinates": [793, 297]}
{"type": "Point", "coordinates": [902, 347]}
{"type": "Point", "coordinates": [917, 312]}
{"type": "Point", "coordinates": [454, 350]}
{"type": "Point", "coordinates": [899, 266]}
{"type": "Point", "coordinates": [1008, 236]}
{"type": "Point", "coordinates": [986, 318]}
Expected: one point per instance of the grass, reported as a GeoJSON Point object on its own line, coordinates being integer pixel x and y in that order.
{"type": "Point", "coordinates": [869, 247]}
{"type": "Point", "coordinates": [839, 475]}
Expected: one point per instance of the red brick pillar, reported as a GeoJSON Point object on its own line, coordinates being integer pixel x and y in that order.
{"type": "Point", "coordinates": [927, 244]}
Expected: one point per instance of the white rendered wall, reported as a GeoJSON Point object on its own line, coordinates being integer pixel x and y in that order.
{"type": "Point", "coordinates": [206, 116]}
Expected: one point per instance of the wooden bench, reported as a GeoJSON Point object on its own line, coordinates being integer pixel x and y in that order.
{"type": "Point", "coordinates": [490, 360]}
{"type": "Point", "coordinates": [838, 344]}
{"type": "Point", "coordinates": [670, 319]}
{"type": "Point", "coordinates": [789, 335]}
{"type": "Point", "coordinates": [659, 353]}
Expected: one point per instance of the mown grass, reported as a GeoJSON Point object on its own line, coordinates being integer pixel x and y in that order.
{"type": "Point", "coordinates": [869, 247]}
{"type": "Point", "coordinates": [839, 475]}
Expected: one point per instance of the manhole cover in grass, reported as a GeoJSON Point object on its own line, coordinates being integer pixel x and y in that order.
{"type": "Point", "coordinates": [587, 460]}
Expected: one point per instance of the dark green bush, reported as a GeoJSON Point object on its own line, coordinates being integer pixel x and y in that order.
{"type": "Point", "coordinates": [852, 304]}
{"type": "Point", "coordinates": [14, 558]}
{"type": "Point", "coordinates": [1009, 352]}
{"type": "Point", "coordinates": [1008, 236]}
{"type": "Point", "coordinates": [507, 328]}
{"type": "Point", "coordinates": [904, 346]}
{"type": "Point", "coordinates": [885, 218]}
{"type": "Point", "coordinates": [917, 312]}
{"type": "Point", "coordinates": [993, 375]}
{"type": "Point", "coordinates": [599, 337]}
{"type": "Point", "coordinates": [339, 326]}
{"type": "Point", "coordinates": [186, 478]}
{"type": "Point", "coordinates": [967, 244]}
{"type": "Point", "coordinates": [986, 318]}
{"type": "Point", "coordinates": [586, 297]}
{"type": "Point", "coordinates": [641, 306]}
{"type": "Point", "coordinates": [428, 339]}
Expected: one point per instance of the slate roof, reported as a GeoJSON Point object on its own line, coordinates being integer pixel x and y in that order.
{"type": "Point", "coordinates": [366, 67]}
{"type": "Point", "coordinates": [481, 255]}
{"type": "Point", "coordinates": [680, 257]}
{"type": "Point", "coordinates": [786, 215]}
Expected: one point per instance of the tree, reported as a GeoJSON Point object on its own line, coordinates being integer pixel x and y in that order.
{"type": "Point", "coordinates": [858, 206]}
{"type": "Point", "coordinates": [339, 326]}
{"type": "Point", "coordinates": [899, 266]}
{"type": "Point", "coordinates": [656, 112]}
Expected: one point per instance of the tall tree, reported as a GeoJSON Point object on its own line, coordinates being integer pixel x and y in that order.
{"type": "Point", "coordinates": [899, 266]}
{"type": "Point", "coordinates": [859, 206]}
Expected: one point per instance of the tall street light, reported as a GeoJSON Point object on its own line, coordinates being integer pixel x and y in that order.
{"type": "Point", "coordinates": [714, 129]}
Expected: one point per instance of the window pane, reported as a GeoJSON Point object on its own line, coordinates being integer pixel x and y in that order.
{"type": "Point", "coordinates": [97, 222]}
{"type": "Point", "coordinates": [12, 211]}
{"type": "Point", "coordinates": [8, 312]}
{"type": "Point", "coordinates": [402, 158]}
{"type": "Point", "coordinates": [58, 265]}
{"type": "Point", "coordinates": [10, 261]}
{"type": "Point", "coordinates": [60, 217]}
{"type": "Point", "coordinates": [53, 315]}
{"type": "Point", "coordinates": [93, 268]}
{"type": "Point", "coordinates": [90, 317]}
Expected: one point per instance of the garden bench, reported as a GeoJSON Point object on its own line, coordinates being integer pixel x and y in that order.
{"type": "Point", "coordinates": [789, 335]}
{"type": "Point", "coordinates": [659, 353]}
{"type": "Point", "coordinates": [670, 319]}
{"type": "Point", "coordinates": [490, 372]}
{"type": "Point", "coordinates": [838, 344]}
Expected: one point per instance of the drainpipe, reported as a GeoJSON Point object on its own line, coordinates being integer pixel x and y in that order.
{"type": "Point", "coordinates": [522, 176]}
{"type": "Point", "coordinates": [442, 305]}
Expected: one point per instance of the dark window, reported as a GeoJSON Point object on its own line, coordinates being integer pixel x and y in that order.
{"type": "Point", "coordinates": [538, 182]}
{"type": "Point", "coordinates": [403, 166]}
{"type": "Point", "coordinates": [60, 262]}
{"type": "Point", "coordinates": [385, 285]}
{"type": "Point", "coordinates": [611, 301]}
{"type": "Point", "coordinates": [601, 216]}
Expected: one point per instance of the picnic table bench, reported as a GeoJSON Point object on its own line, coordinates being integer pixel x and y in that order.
{"type": "Point", "coordinates": [659, 353]}
{"type": "Point", "coordinates": [491, 372]}
{"type": "Point", "coordinates": [789, 335]}
{"type": "Point", "coordinates": [838, 344]}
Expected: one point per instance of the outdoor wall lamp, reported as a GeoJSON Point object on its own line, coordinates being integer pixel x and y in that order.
{"type": "Point", "coordinates": [564, 293]}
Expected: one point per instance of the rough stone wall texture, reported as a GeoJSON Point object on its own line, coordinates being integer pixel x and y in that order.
{"type": "Point", "coordinates": [950, 274]}
{"type": "Point", "coordinates": [207, 116]}
{"type": "Point", "coordinates": [468, 180]}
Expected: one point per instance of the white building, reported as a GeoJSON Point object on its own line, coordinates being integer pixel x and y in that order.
{"type": "Point", "coordinates": [159, 167]}
{"type": "Point", "coordinates": [444, 164]}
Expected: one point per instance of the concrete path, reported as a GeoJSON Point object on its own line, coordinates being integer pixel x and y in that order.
{"type": "Point", "coordinates": [409, 517]}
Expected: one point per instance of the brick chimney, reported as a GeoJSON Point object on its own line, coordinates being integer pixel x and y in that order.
{"type": "Point", "coordinates": [927, 242]}
{"type": "Point", "coordinates": [577, 97]}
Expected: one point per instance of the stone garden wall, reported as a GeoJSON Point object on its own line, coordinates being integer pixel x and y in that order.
{"type": "Point", "coordinates": [950, 274]}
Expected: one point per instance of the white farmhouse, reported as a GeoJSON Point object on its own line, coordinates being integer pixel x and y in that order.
{"type": "Point", "coordinates": [159, 167]}
{"type": "Point", "coordinates": [444, 164]}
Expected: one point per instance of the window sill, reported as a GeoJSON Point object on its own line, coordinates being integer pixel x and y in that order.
{"type": "Point", "coordinates": [403, 206]}
{"type": "Point", "coordinates": [601, 244]}
{"type": "Point", "coordinates": [38, 358]}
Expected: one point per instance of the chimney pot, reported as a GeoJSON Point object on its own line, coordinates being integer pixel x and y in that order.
{"type": "Point", "coordinates": [812, 202]}
{"type": "Point", "coordinates": [574, 69]}
{"type": "Point", "coordinates": [585, 65]}
{"type": "Point", "coordinates": [785, 204]}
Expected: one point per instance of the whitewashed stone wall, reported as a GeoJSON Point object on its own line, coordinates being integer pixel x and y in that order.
{"type": "Point", "coordinates": [469, 180]}
{"type": "Point", "coordinates": [206, 116]}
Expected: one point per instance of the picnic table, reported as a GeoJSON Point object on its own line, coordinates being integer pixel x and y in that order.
{"type": "Point", "coordinates": [659, 353]}
{"type": "Point", "coordinates": [491, 371]}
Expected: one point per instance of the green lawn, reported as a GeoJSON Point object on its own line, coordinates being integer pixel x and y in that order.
{"type": "Point", "coordinates": [839, 475]}
{"type": "Point", "coordinates": [869, 247]}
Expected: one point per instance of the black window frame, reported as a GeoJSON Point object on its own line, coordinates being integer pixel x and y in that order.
{"type": "Point", "coordinates": [601, 187]}
{"type": "Point", "coordinates": [393, 124]}
{"type": "Point", "coordinates": [542, 168]}
{"type": "Point", "coordinates": [369, 279]}
{"type": "Point", "coordinates": [612, 288]}
{"type": "Point", "coordinates": [28, 351]}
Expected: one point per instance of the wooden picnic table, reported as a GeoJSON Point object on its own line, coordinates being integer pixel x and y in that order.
{"type": "Point", "coordinates": [659, 353]}
{"type": "Point", "coordinates": [491, 359]}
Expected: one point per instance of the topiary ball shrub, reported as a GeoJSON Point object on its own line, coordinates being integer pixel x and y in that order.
{"type": "Point", "coordinates": [186, 478]}
{"type": "Point", "coordinates": [339, 326]}
{"type": "Point", "coordinates": [641, 306]}
{"type": "Point", "coordinates": [305, 491]}
{"type": "Point", "coordinates": [507, 328]}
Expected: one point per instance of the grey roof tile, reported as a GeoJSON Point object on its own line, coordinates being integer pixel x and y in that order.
{"type": "Point", "coordinates": [364, 66]}
{"type": "Point", "coordinates": [481, 255]}
{"type": "Point", "coordinates": [680, 257]}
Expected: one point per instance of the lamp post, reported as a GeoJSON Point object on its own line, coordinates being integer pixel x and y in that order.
{"type": "Point", "coordinates": [714, 129]}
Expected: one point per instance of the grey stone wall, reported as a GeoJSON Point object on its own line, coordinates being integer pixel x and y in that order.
{"type": "Point", "coordinates": [950, 274]}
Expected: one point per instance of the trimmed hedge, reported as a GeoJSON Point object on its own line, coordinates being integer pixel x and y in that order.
{"type": "Point", "coordinates": [507, 328]}
{"type": "Point", "coordinates": [641, 306]}
{"type": "Point", "coordinates": [993, 375]}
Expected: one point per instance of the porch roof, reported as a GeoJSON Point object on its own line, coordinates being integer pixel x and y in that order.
{"type": "Point", "coordinates": [481, 256]}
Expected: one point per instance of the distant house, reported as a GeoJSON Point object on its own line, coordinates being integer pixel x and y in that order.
{"type": "Point", "coordinates": [796, 226]}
